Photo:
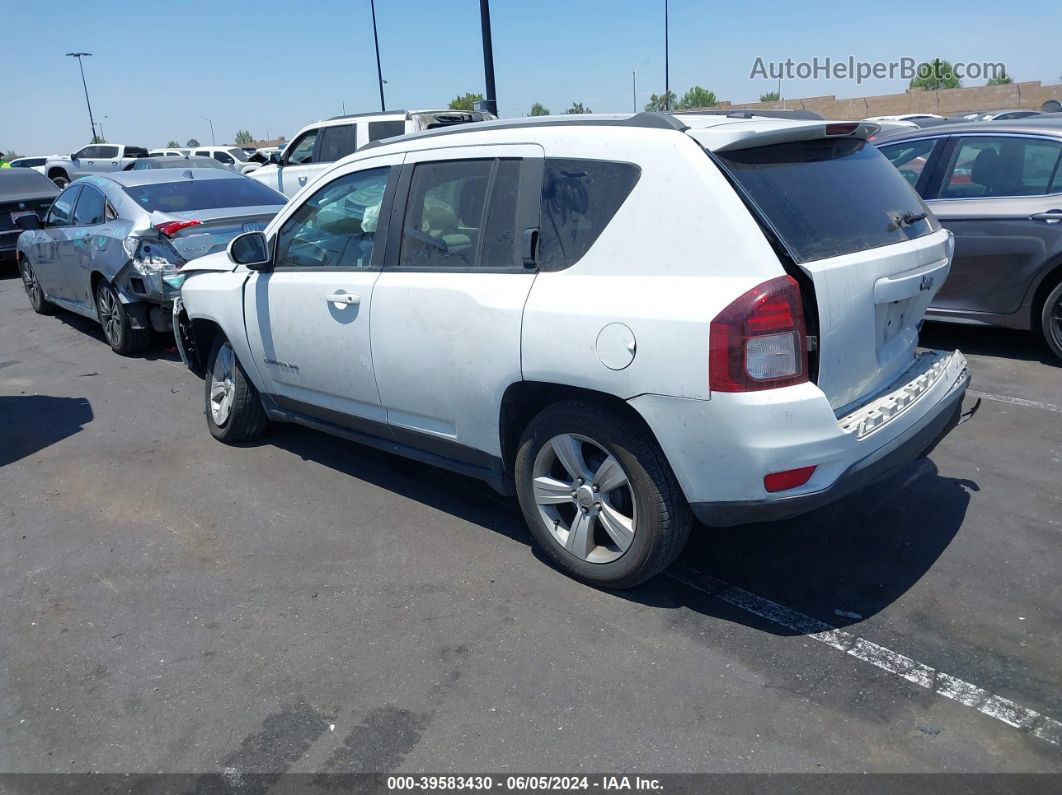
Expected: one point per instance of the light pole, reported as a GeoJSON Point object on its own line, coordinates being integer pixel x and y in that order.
{"type": "Point", "coordinates": [376, 41]}
{"type": "Point", "coordinates": [667, 88]}
{"type": "Point", "coordinates": [213, 140]}
{"type": "Point", "coordinates": [79, 56]}
{"type": "Point", "coordinates": [100, 125]}
{"type": "Point", "coordinates": [488, 57]}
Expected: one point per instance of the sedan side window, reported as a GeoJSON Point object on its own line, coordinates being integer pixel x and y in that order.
{"type": "Point", "coordinates": [989, 167]}
{"type": "Point", "coordinates": [90, 208]}
{"type": "Point", "coordinates": [909, 157]}
{"type": "Point", "coordinates": [336, 226]}
{"type": "Point", "coordinates": [62, 209]}
{"type": "Point", "coordinates": [302, 152]}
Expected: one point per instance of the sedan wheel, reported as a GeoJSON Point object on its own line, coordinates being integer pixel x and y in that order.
{"type": "Point", "coordinates": [584, 498]}
{"type": "Point", "coordinates": [222, 386]}
{"type": "Point", "coordinates": [110, 317]}
{"type": "Point", "coordinates": [34, 292]}
{"type": "Point", "coordinates": [1051, 320]}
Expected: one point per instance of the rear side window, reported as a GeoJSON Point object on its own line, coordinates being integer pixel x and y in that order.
{"type": "Point", "coordinates": [910, 157]}
{"type": "Point", "coordinates": [828, 197]}
{"type": "Point", "coordinates": [336, 143]}
{"type": "Point", "coordinates": [204, 194]}
{"type": "Point", "coordinates": [386, 129]}
{"type": "Point", "coordinates": [90, 207]}
{"type": "Point", "coordinates": [579, 199]}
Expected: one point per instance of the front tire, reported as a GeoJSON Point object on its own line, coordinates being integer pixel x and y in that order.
{"type": "Point", "coordinates": [117, 328]}
{"type": "Point", "coordinates": [599, 495]}
{"type": "Point", "coordinates": [234, 410]}
{"type": "Point", "coordinates": [60, 179]}
{"type": "Point", "coordinates": [1051, 320]}
{"type": "Point", "coordinates": [40, 304]}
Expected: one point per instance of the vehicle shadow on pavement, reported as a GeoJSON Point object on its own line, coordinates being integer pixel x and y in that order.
{"type": "Point", "coordinates": [840, 564]}
{"type": "Point", "coordinates": [1002, 343]}
{"type": "Point", "coordinates": [29, 423]}
{"type": "Point", "coordinates": [162, 346]}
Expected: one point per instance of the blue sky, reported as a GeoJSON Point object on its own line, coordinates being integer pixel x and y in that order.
{"type": "Point", "coordinates": [274, 66]}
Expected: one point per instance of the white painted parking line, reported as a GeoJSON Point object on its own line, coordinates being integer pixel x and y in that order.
{"type": "Point", "coordinates": [1002, 709]}
{"type": "Point", "coordinates": [1015, 401]}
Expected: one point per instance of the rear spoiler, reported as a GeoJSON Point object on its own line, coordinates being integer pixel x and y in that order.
{"type": "Point", "coordinates": [742, 136]}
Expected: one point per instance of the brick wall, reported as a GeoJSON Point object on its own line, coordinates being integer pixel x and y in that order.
{"type": "Point", "coordinates": [954, 100]}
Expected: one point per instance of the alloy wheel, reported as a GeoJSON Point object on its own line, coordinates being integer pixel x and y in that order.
{"type": "Point", "coordinates": [1055, 326]}
{"type": "Point", "coordinates": [222, 386]}
{"type": "Point", "coordinates": [33, 288]}
{"type": "Point", "coordinates": [110, 315]}
{"type": "Point", "coordinates": [584, 497]}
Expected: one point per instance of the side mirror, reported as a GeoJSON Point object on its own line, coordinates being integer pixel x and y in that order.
{"type": "Point", "coordinates": [276, 158]}
{"type": "Point", "coordinates": [73, 156]}
{"type": "Point", "coordinates": [250, 250]}
{"type": "Point", "coordinates": [28, 222]}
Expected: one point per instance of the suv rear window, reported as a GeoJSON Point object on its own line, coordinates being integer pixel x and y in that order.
{"type": "Point", "coordinates": [579, 198]}
{"type": "Point", "coordinates": [828, 197]}
{"type": "Point", "coordinates": [203, 194]}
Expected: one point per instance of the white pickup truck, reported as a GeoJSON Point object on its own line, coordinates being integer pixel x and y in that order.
{"type": "Point", "coordinates": [92, 159]}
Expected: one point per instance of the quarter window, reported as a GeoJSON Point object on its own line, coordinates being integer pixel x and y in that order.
{"type": "Point", "coordinates": [385, 129]}
{"type": "Point", "coordinates": [336, 143]}
{"type": "Point", "coordinates": [461, 214]}
{"type": "Point", "coordinates": [985, 166]}
{"type": "Point", "coordinates": [90, 208]}
{"type": "Point", "coordinates": [579, 199]}
{"type": "Point", "coordinates": [63, 207]}
{"type": "Point", "coordinates": [336, 226]}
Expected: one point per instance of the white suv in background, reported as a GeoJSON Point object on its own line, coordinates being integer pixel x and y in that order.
{"type": "Point", "coordinates": [232, 157]}
{"type": "Point", "coordinates": [628, 321]}
{"type": "Point", "coordinates": [318, 145]}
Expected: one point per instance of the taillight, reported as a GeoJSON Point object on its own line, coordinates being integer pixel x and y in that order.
{"type": "Point", "coordinates": [171, 228]}
{"type": "Point", "coordinates": [759, 341]}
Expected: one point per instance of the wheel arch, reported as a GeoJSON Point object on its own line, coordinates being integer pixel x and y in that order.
{"type": "Point", "coordinates": [58, 171]}
{"type": "Point", "coordinates": [198, 337]}
{"type": "Point", "coordinates": [523, 400]}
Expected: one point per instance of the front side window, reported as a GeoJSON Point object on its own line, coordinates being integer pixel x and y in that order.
{"type": "Point", "coordinates": [909, 157]}
{"type": "Point", "coordinates": [337, 143]}
{"type": "Point", "coordinates": [302, 151]}
{"type": "Point", "coordinates": [86, 153]}
{"type": "Point", "coordinates": [987, 166]}
{"type": "Point", "coordinates": [62, 209]}
{"type": "Point", "coordinates": [222, 157]}
{"type": "Point", "coordinates": [90, 207]}
{"type": "Point", "coordinates": [336, 226]}
{"type": "Point", "coordinates": [579, 199]}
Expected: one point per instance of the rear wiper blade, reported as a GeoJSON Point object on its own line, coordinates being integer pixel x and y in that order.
{"type": "Point", "coordinates": [907, 219]}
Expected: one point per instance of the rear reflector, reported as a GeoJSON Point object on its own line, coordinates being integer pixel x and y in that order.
{"type": "Point", "coordinates": [173, 227]}
{"type": "Point", "coordinates": [790, 479]}
{"type": "Point", "coordinates": [759, 341]}
{"type": "Point", "coordinates": [841, 129]}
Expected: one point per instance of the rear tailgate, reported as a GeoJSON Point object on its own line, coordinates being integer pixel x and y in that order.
{"type": "Point", "coordinates": [842, 217]}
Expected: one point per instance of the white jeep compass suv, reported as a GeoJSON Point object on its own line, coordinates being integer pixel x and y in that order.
{"type": "Point", "coordinates": [628, 321]}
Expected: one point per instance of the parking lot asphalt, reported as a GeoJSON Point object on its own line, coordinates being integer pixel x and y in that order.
{"type": "Point", "coordinates": [168, 603]}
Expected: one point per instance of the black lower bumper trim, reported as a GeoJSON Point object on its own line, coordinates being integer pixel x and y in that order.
{"type": "Point", "coordinates": [916, 443]}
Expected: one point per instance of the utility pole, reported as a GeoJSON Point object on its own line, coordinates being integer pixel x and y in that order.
{"type": "Point", "coordinates": [213, 140]}
{"type": "Point", "coordinates": [667, 87]}
{"type": "Point", "coordinates": [491, 99]}
{"type": "Point", "coordinates": [79, 56]}
{"type": "Point", "coordinates": [634, 89]}
{"type": "Point", "coordinates": [376, 41]}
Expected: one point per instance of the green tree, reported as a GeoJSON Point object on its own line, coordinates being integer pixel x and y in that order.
{"type": "Point", "coordinates": [935, 75]}
{"type": "Point", "coordinates": [1001, 78]}
{"type": "Point", "coordinates": [696, 97]}
{"type": "Point", "coordinates": [770, 96]}
{"type": "Point", "coordinates": [98, 139]}
{"type": "Point", "coordinates": [243, 138]}
{"type": "Point", "coordinates": [192, 142]}
{"type": "Point", "coordinates": [538, 109]}
{"type": "Point", "coordinates": [578, 107]}
{"type": "Point", "coordinates": [661, 101]}
{"type": "Point", "coordinates": [465, 101]}
{"type": "Point", "coordinates": [172, 144]}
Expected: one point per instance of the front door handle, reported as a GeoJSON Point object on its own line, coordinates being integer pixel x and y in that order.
{"type": "Point", "coordinates": [345, 299]}
{"type": "Point", "coordinates": [302, 180]}
{"type": "Point", "coordinates": [1051, 216]}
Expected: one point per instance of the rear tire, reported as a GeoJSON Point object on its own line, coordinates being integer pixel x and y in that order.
{"type": "Point", "coordinates": [40, 304]}
{"type": "Point", "coordinates": [628, 519]}
{"type": "Point", "coordinates": [117, 328]}
{"type": "Point", "coordinates": [1051, 320]}
{"type": "Point", "coordinates": [60, 179]}
{"type": "Point", "coordinates": [234, 409]}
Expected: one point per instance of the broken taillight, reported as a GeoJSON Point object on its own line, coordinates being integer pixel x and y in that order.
{"type": "Point", "coordinates": [170, 228]}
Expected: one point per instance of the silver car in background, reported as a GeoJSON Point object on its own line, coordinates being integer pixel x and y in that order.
{"type": "Point", "coordinates": [109, 247]}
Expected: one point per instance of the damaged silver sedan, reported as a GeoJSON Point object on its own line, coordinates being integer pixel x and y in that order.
{"type": "Point", "coordinates": [111, 247]}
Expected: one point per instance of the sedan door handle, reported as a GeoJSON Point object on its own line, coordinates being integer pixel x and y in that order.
{"type": "Point", "coordinates": [346, 299]}
{"type": "Point", "coordinates": [1051, 216]}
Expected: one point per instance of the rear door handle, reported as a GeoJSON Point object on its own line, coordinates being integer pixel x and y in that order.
{"type": "Point", "coordinates": [1051, 216]}
{"type": "Point", "coordinates": [345, 299]}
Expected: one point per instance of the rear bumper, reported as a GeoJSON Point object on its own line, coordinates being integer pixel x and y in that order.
{"type": "Point", "coordinates": [721, 449]}
{"type": "Point", "coordinates": [917, 442]}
